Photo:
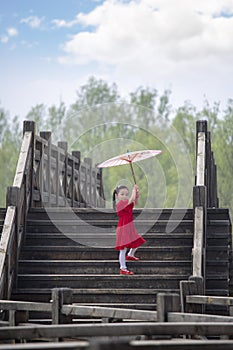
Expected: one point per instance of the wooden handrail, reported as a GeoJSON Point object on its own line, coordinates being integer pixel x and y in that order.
{"type": "Point", "coordinates": [204, 196]}
{"type": "Point", "coordinates": [62, 179]}
{"type": "Point", "coordinates": [24, 306]}
{"type": "Point", "coordinates": [46, 175]}
{"type": "Point", "coordinates": [109, 312]}
{"type": "Point", "coordinates": [201, 158]}
{"type": "Point", "coordinates": [8, 231]}
{"type": "Point", "coordinates": [212, 300]}
{"type": "Point", "coordinates": [17, 204]}
{"type": "Point", "coordinates": [189, 327]}
{"type": "Point", "coordinates": [200, 202]}
{"type": "Point", "coordinates": [197, 250]}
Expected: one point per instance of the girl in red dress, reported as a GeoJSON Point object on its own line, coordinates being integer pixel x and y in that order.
{"type": "Point", "coordinates": [126, 233]}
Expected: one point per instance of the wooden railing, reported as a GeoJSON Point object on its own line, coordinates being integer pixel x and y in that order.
{"type": "Point", "coordinates": [46, 175]}
{"type": "Point", "coordinates": [166, 328]}
{"type": "Point", "coordinates": [18, 201]}
{"type": "Point", "coordinates": [204, 196]}
{"type": "Point", "coordinates": [61, 179]}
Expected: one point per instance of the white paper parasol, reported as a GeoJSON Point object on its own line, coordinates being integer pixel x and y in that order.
{"type": "Point", "coordinates": [129, 158]}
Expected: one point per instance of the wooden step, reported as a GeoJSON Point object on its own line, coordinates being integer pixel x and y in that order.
{"type": "Point", "coordinates": [2, 215]}
{"type": "Point", "coordinates": [101, 240]}
{"type": "Point", "coordinates": [108, 240]}
{"type": "Point", "coordinates": [103, 213]}
{"type": "Point", "coordinates": [91, 295]}
{"type": "Point", "coordinates": [74, 248]}
{"type": "Point", "coordinates": [75, 252]}
{"type": "Point", "coordinates": [107, 226]}
{"type": "Point", "coordinates": [218, 213]}
{"type": "Point", "coordinates": [216, 267]}
{"type": "Point", "coordinates": [114, 281]}
{"type": "Point", "coordinates": [100, 281]}
{"type": "Point", "coordinates": [146, 267]}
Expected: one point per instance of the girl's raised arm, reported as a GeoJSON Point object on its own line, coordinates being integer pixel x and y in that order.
{"type": "Point", "coordinates": [135, 195]}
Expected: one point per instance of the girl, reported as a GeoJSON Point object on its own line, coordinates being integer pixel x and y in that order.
{"type": "Point", "coordinates": [126, 233]}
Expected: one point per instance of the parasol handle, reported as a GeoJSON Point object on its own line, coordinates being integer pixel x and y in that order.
{"type": "Point", "coordinates": [131, 167]}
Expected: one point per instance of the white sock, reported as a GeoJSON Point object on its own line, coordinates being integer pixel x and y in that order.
{"type": "Point", "coordinates": [132, 252]}
{"type": "Point", "coordinates": [122, 254]}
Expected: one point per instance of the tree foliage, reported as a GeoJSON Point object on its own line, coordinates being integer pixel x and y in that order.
{"type": "Point", "coordinates": [10, 140]}
{"type": "Point", "coordinates": [101, 124]}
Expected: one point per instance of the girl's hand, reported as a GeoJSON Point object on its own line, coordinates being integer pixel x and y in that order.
{"type": "Point", "coordinates": [134, 195]}
{"type": "Point", "coordinates": [136, 189]}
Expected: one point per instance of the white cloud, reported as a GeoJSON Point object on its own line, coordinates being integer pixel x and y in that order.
{"type": "Point", "coordinates": [32, 21]}
{"type": "Point", "coordinates": [61, 23]}
{"type": "Point", "coordinates": [153, 30]}
{"type": "Point", "coordinates": [12, 31]}
{"type": "Point", "coordinates": [166, 43]}
{"type": "Point", "coordinates": [4, 39]}
{"type": "Point", "coordinates": [184, 45]}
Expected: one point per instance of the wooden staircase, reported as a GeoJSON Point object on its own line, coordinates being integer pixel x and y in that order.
{"type": "Point", "coordinates": [74, 248]}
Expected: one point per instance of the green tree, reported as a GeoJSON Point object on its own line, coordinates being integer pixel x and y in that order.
{"type": "Point", "coordinates": [101, 124]}
{"type": "Point", "coordinates": [10, 141]}
{"type": "Point", "coordinates": [185, 124]}
{"type": "Point", "coordinates": [223, 152]}
{"type": "Point", "coordinates": [93, 112]}
{"type": "Point", "coordinates": [38, 115]}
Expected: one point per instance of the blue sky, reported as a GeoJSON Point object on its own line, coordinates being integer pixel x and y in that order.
{"type": "Point", "coordinates": [49, 48]}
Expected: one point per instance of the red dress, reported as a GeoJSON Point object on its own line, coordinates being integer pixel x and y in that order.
{"type": "Point", "coordinates": [126, 233]}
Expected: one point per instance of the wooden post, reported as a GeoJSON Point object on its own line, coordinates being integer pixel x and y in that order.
{"type": "Point", "coordinates": [88, 162]}
{"type": "Point", "coordinates": [100, 195]}
{"type": "Point", "coordinates": [12, 199]}
{"type": "Point", "coordinates": [201, 135]}
{"type": "Point", "coordinates": [12, 196]}
{"type": "Point", "coordinates": [60, 297]}
{"type": "Point", "coordinates": [64, 146]}
{"type": "Point", "coordinates": [94, 187]}
{"type": "Point", "coordinates": [77, 155]}
{"type": "Point", "coordinates": [18, 316]}
{"type": "Point", "coordinates": [47, 136]}
{"type": "Point", "coordinates": [71, 183]}
{"type": "Point", "coordinates": [40, 178]}
{"type": "Point", "coordinates": [194, 286]}
{"type": "Point", "coordinates": [29, 125]}
{"type": "Point", "coordinates": [200, 224]}
{"type": "Point", "coordinates": [57, 186]}
{"type": "Point", "coordinates": [167, 302]}
{"type": "Point", "coordinates": [198, 284]}
{"type": "Point", "coordinates": [76, 184]}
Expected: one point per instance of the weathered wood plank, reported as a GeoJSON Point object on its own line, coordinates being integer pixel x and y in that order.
{"type": "Point", "coordinates": [173, 344]}
{"type": "Point", "coordinates": [67, 345]}
{"type": "Point", "coordinates": [24, 306]}
{"type": "Point", "coordinates": [6, 233]}
{"type": "Point", "coordinates": [117, 329]}
{"type": "Point", "coordinates": [211, 300]}
{"type": "Point", "coordinates": [197, 250]}
{"type": "Point", "coordinates": [107, 312]}
{"type": "Point", "coordinates": [167, 303]}
{"type": "Point", "coordinates": [19, 174]}
{"type": "Point", "coordinates": [189, 317]}
{"type": "Point", "coordinates": [201, 139]}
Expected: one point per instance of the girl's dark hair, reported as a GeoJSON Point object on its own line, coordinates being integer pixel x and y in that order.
{"type": "Point", "coordinates": [116, 191]}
